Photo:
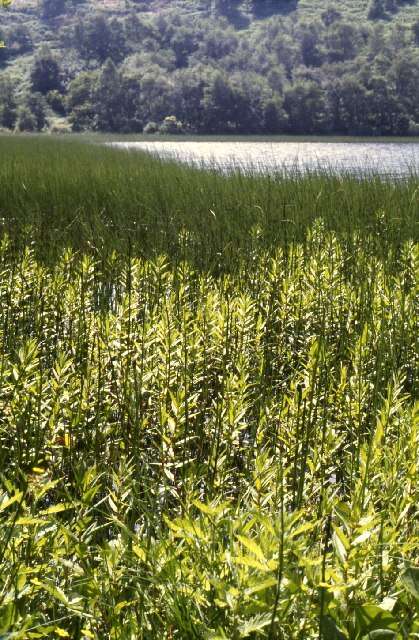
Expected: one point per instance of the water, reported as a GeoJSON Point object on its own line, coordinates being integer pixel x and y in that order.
{"type": "Point", "coordinates": [385, 158]}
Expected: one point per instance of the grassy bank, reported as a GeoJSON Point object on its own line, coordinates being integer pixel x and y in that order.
{"type": "Point", "coordinates": [208, 416]}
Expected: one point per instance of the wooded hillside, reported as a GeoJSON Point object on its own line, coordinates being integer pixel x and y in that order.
{"type": "Point", "coordinates": [212, 66]}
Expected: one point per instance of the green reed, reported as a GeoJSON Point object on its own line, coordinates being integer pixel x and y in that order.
{"type": "Point", "coordinates": [94, 198]}
{"type": "Point", "coordinates": [203, 446]}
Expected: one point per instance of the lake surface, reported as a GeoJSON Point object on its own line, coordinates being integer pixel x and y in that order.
{"type": "Point", "coordinates": [386, 158]}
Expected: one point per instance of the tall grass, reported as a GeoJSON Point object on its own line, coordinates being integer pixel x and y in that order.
{"type": "Point", "coordinates": [90, 197]}
{"type": "Point", "coordinates": [208, 425]}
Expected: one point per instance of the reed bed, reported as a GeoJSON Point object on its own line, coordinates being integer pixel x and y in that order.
{"type": "Point", "coordinates": [208, 423]}
{"type": "Point", "coordinates": [60, 194]}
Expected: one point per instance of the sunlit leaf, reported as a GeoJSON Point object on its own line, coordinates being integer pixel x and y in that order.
{"type": "Point", "coordinates": [410, 581]}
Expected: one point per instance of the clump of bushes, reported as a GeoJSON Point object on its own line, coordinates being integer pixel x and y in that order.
{"type": "Point", "coordinates": [170, 126]}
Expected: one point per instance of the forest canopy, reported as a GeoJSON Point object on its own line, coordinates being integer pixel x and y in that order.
{"type": "Point", "coordinates": [210, 67]}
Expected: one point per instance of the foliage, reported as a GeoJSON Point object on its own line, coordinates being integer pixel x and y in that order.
{"type": "Point", "coordinates": [8, 104]}
{"type": "Point", "coordinates": [80, 194]}
{"type": "Point", "coordinates": [52, 8]}
{"type": "Point", "coordinates": [207, 429]}
{"type": "Point", "coordinates": [45, 73]}
{"type": "Point", "coordinates": [237, 68]}
{"type": "Point", "coordinates": [4, 3]}
{"type": "Point", "coordinates": [170, 126]}
{"type": "Point", "coordinates": [26, 120]}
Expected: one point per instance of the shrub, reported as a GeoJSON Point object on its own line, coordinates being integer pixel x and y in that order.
{"type": "Point", "coordinates": [56, 101]}
{"type": "Point", "coordinates": [26, 120]}
{"type": "Point", "coordinates": [151, 127]}
{"type": "Point", "coordinates": [171, 125]}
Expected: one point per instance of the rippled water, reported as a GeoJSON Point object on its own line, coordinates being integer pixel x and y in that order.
{"type": "Point", "coordinates": [385, 158]}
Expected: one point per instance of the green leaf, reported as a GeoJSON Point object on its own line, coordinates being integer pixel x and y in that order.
{"type": "Point", "coordinates": [330, 630]}
{"type": "Point", "coordinates": [380, 634]}
{"type": "Point", "coordinates": [255, 624]}
{"type": "Point", "coordinates": [57, 593]}
{"type": "Point", "coordinates": [370, 617]}
{"type": "Point", "coordinates": [28, 521]}
{"type": "Point", "coordinates": [209, 510]}
{"type": "Point", "coordinates": [248, 561]}
{"type": "Point", "coordinates": [340, 543]}
{"type": "Point", "coordinates": [7, 502]}
{"type": "Point", "coordinates": [139, 552]}
{"type": "Point", "coordinates": [6, 617]}
{"type": "Point", "coordinates": [56, 508]}
{"type": "Point", "coordinates": [307, 526]}
{"type": "Point", "coordinates": [261, 586]}
{"type": "Point", "coordinates": [410, 581]}
{"type": "Point", "coordinates": [361, 538]}
{"type": "Point", "coordinates": [252, 546]}
{"type": "Point", "coordinates": [121, 605]}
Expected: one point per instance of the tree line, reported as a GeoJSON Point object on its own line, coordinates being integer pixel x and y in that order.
{"type": "Point", "coordinates": [205, 73]}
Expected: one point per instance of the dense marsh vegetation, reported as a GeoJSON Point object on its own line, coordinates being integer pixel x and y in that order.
{"type": "Point", "coordinates": [208, 401]}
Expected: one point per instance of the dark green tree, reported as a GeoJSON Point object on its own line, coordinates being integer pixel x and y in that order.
{"type": "Point", "coordinates": [189, 87]}
{"type": "Point", "coordinates": [348, 100]}
{"type": "Point", "coordinates": [311, 45]}
{"type": "Point", "coordinates": [108, 98]}
{"type": "Point", "coordinates": [219, 105]}
{"type": "Point", "coordinates": [343, 42]}
{"type": "Point", "coordinates": [217, 43]}
{"type": "Point", "coordinates": [377, 10]}
{"type": "Point", "coordinates": [184, 43]}
{"type": "Point", "coordinates": [275, 118]}
{"type": "Point", "coordinates": [287, 51]}
{"type": "Point", "coordinates": [404, 77]}
{"type": "Point", "coordinates": [52, 8]}
{"type": "Point", "coordinates": [31, 114]}
{"type": "Point", "coordinates": [306, 107]}
{"type": "Point", "coordinates": [19, 40]}
{"type": "Point", "coordinates": [45, 74]}
{"type": "Point", "coordinates": [131, 116]}
{"type": "Point", "coordinates": [56, 101]}
{"type": "Point", "coordinates": [385, 113]}
{"type": "Point", "coordinates": [26, 121]}
{"type": "Point", "coordinates": [226, 7]}
{"type": "Point", "coordinates": [80, 101]}
{"type": "Point", "coordinates": [37, 106]}
{"type": "Point", "coordinates": [157, 95]}
{"type": "Point", "coordinates": [8, 103]}
{"type": "Point", "coordinates": [330, 15]}
{"type": "Point", "coordinates": [97, 38]}
{"type": "Point", "coordinates": [136, 31]}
